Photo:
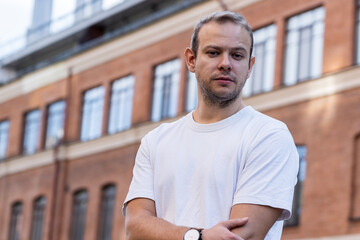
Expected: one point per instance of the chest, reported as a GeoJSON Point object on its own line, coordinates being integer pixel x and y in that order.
{"type": "Point", "coordinates": [197, 160]}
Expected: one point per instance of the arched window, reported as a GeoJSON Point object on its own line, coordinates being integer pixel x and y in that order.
{"type": "Point", "coordinates": [106, 212]}
{"type": "Point", "coordinates": [77, 227]}
{"type": "Point", "coordinates": [38, 218]}
{"type": "Point", "coordinates": [15, 221]}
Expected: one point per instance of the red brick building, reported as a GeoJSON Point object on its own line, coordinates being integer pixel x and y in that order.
{"type": "Point", "coordinates": [74, 105]}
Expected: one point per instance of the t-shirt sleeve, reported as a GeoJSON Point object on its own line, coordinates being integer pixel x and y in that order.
{"type": "Point", "coordinates": [142, 182]}
{"type": "Point", "coordinates": [270, 171]}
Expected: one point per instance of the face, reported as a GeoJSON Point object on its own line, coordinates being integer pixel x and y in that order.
{"type": "Point", "coordinates": [222, 63]}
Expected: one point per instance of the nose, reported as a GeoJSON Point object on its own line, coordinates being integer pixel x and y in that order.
{"type": "Point", "coordinates": [224, 64]}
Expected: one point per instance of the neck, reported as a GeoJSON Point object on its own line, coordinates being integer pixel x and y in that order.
{"type": "Point", "coordinates": [210, 113]}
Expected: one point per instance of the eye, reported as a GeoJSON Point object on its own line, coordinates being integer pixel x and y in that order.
{"type": "Point", "coordinates": [212, 53]}
{"type": "Point", "coordinates": [238, 56]}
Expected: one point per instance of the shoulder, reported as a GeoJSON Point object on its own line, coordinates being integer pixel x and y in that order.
{"type": "Point", "coordinates": [261, 120]}
{"type": "Point", "coordinates": [165, 129]}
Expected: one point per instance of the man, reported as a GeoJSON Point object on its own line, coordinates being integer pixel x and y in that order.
{"type": "Point", "coordinates": [224, 171]}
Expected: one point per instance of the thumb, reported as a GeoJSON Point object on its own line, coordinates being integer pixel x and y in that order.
{"type": "Point", "coordinates": [233, 223]}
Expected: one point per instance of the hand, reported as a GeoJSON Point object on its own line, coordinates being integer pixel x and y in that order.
{"type": "Point", "coordinates": [222, 230]}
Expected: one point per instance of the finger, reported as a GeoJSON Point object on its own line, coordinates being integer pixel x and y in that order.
{"type": "Point", "coordinates": [233, 223]}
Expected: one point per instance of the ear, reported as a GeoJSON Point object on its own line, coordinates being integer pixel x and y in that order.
{"type": "Point", "coordinates": [190, 59]}
{"type": "Point", "coordinates": [251, 64]}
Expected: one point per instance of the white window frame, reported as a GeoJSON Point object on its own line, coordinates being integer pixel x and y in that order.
{"type": "Point", "coordinates": [312, 24]}
{"type": "Point", "coordinates": [165, 101]}
{"type": "Point", "coordinates": [55, 123]}
{"type": "Point", "coordinates": [4, 137]}
{"type": "Point", "coordinates": [192, 92]}
{"type": "Point", "coordinates": [92, 114]}
{"type": "Point", "coordinates": [262, 76]}
{"type": "Point", "coordinates": [358, 33]}
{"type": "Point", "coordinates": [121, 104]}
{"type": "Point", "coordinates": [31, 131]}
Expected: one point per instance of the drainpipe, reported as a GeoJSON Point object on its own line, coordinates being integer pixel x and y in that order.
{"type": "Point", "coordinates": [60, 171]}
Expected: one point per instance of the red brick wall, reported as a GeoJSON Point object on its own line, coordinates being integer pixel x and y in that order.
{"type": "Point", "coordinates": [327, 126]}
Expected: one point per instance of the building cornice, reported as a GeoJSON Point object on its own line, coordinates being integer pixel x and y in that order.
{"type": "Point", "coordinates": [321, 87]}
{"type": "Point", "coordinates": [327, 85]}
{"type": "Point", "coordinates": [316, 88]}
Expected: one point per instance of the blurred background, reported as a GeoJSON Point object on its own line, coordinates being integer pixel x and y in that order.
{"type": "Point", "coordinates": [82, 81]}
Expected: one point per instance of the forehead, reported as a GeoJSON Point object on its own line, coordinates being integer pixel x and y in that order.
{"type": "Point", "coordinates": [227, 34]}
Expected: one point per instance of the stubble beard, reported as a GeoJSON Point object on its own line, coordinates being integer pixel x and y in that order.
{"type": "Point", "coordinates": [214, 99]}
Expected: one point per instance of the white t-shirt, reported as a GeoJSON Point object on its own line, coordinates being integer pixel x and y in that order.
{"type": "Point", "coordinates": [196, 172]}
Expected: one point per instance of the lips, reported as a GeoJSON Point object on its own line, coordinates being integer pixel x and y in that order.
{"type": "Point", "coordinates": [224, 79]}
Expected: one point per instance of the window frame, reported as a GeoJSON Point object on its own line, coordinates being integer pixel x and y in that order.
{"type": "Point", "coordinates": [294, 220]}
{"type": "Point", "coordinates": [125, 93]}
{"type": "Point", "coordinates": [16, 216]}
{"type": "Point", "coordinates": [357, 33]}
{"type": "Point", "coordinates": [265, 83]}
{"type": "Point", "coordinates": [37, 130]}
{"type": "Point", "coordinates": [4, 138]}
{"type": "Point", "coordinates": [38, 216]}
{"type": "Point", "coordinates": [94, 101]}
{"type": "Point", "coordinates": [169, 69]}
{"type": "Point", "coordinates": [57, 139]}
{"type": "Point", "coordinates": [292, 45]}
{"type": "Point", "coordinates": [191, 99]}
{"type": "Point", "coordinates": [106, 213]}
{"type": "Point", "coordinates": [78, 214]}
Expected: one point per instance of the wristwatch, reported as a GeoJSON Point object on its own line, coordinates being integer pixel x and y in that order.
{"type": "Point", "coordinates": [193, 234]}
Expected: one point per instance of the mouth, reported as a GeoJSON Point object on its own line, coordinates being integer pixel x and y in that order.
{"type": "Point", "coordinates": [224, 80]}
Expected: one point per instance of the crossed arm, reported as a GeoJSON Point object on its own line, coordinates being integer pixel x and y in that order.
{"type": "Point", "coordinates": [247, 222]}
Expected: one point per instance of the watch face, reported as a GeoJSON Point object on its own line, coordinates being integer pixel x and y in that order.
{"type": "Point", "coordinates": [192, 234]}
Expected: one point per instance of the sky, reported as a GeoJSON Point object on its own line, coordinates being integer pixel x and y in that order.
{"type": "Point", "coordinates": [16, 16]}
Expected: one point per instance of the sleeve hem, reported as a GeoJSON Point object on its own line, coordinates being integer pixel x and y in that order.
{"type": "Point", "coordinates": [133, 196]}
{"type": "Point", "coordinates": [265, 201]}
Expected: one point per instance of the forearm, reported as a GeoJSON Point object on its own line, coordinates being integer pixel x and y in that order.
{"type": "Point", "coordinates": [146, 227]}
{"type": "Point", "coordinates": [261, 219]}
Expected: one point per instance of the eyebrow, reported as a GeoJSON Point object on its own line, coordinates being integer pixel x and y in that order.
{"type": "Point", "coordinates": [220, 48]}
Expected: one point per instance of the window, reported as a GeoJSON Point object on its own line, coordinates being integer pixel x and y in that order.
{"type": "Point", "coordinates": [92, 113]}
{"type": "Point", "coordinates": [55, 123]}
{"type": "Point", "coordinates": [355, 181]}
{"type": "Point", "coordinates": [297, 202]}
{"type": "Point", "coordinates": [304, 46]}
{"type": "Point", "coordinates": [262, 76]}
{"type": "Point", "coordinates": [15, 221]}
{"type": "Point", "coordinates": [358, 33]}
{"type": "Point", "coordinates": [4, 134]}
{"type": "Point", "coordinates": [38, 218]}
{"type": "Point", "coordinates": [106, 212]}
{"type": "Point", "coordinates": [121, 104]}
{"type": "Point", "coordinates": [78, 215]}
{"type": "Point", "coordinates": [166, 90]}
{"type": "Point", "coordinates": [31, 133]}
{"type": "Point", "coordinates": [191, 98]}
{"type": "Point", "coordinates": [85, 8]}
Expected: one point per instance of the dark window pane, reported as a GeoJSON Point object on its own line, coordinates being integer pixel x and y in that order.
{"type": "Point", "coordinates": [106, 212]}
{"type": "Point", "coordinates": [297, 202]}
{"type": "Point", "coordinates": [77, 227]}
{"type": "Point", "coordinates": [15, 221]}
{"type": "Point", "coordinates": [38, 218]}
